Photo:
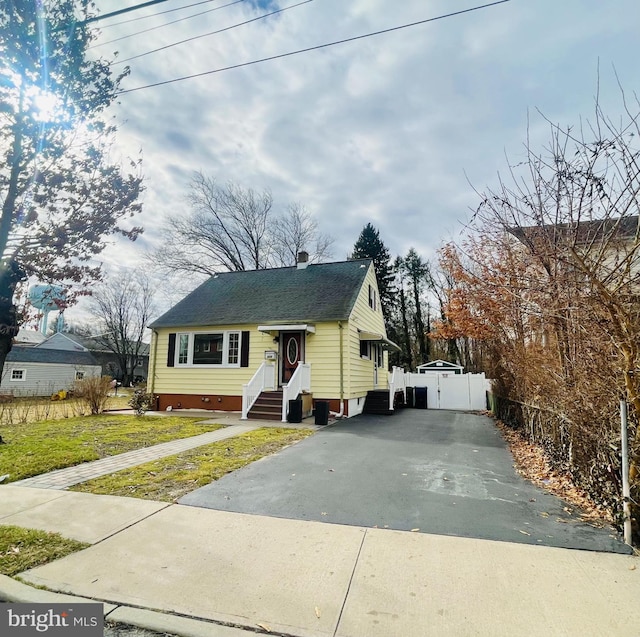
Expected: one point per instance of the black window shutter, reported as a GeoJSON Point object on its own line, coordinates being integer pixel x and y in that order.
{"type": "Point", "coordinates": [244, 350]}
{"type": "Point", "coordinates": [171, 354]}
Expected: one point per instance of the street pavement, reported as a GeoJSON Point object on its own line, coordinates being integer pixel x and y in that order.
{"type": "Point", "coordinates": [442, 472]}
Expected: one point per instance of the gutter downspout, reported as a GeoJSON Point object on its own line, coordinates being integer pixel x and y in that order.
{"type": "Point", "coordinates": [340, 414]}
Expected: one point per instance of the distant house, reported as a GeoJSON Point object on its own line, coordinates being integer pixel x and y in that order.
{"type": "Point", "coordinates": [106, 358]}
{"type": "Point", "coordinates": [32, 371]}
{"type": "Point", "coordinates": [608, 247]}
{"type": "Point", "coordinates": [251, 341]}
{"type": "Point", "coordinates": [28, 338]}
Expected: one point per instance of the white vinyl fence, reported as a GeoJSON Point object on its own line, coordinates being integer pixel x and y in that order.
{"type": "Point", "coordinates": [464, 392]}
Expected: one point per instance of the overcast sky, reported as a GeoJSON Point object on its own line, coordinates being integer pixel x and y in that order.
{"type": "Point", "coordinates": [394, 129]}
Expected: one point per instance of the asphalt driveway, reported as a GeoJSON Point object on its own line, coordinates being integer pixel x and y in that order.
{"type": "Point", "coordinates": [439, 472]}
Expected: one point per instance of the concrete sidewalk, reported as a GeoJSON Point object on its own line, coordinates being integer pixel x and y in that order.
{"type": "Point", "coordinates": [218, 573]}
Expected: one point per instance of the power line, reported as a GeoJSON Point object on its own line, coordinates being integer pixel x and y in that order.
{"type": "Point", "coordinates": [166, 24]}
{"type": "Point", "coordinates": [153, 15]}
{"type": "Point", "coordinates": [315, 48]}
{"type": "Point", "coordinates": [196, 37]}
{"type": "Point", "coordinates": [121, 11]}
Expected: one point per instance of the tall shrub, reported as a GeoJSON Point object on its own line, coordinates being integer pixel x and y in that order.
{"type": "Point", "coordinates": [93, 391]}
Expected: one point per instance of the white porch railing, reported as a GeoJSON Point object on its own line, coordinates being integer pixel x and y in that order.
{"type": "Point", "coordinates": [300, 381]}
{"type": "Point", "coordinates": [264, 378]}
{"type": "Point", "coordinates": [397, 382]}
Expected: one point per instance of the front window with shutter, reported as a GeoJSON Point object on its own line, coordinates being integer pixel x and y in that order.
{"type": "Point", "coordinates": [208, 349]}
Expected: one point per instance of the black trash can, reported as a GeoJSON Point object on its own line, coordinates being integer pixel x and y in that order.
{"type": "Point", "coordinates": [421, 397]}
{"type": "Point", "coordinates": [410, 400]}
{"type": "Point", "coordinates": [295, 410]}
{"type": "Point", "coordinates": [322, 412]}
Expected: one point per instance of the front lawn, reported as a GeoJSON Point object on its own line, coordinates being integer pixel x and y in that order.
{"type": "Point", "coordinates": [22, 549]}
{"type": "Point", "coordinates": [170, 478]}
{"type": "Point", "coordinates": [38, 447]}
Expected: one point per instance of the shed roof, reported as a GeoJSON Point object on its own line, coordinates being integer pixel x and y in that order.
{"type": "Point", "coordinates": [319, 292]}
{"type": "Point", "coordinates": [19, 354]}
{"type": "Point", "coordinates": [440, 364]}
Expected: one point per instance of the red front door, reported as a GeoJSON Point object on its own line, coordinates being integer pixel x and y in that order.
{"type": "Point", "coordinates": [292, 354]}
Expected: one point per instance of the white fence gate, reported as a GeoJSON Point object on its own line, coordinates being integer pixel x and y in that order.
{"type": "Point", "coordinates": [463, 392]}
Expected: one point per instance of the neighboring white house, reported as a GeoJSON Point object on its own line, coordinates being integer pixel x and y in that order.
{"type": "Point", "coordinates": [105, 357]}
{"type": "Point", "coordinates": [28, 338]}
{"type": "Point", "coordinates": [34, 371]}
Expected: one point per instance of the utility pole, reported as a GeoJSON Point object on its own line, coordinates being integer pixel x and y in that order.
{"type": "Point", "coordinates": [626, 490]}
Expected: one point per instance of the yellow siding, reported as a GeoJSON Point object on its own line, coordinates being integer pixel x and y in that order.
{"type": "Point", "coordinates": [361, 371]}
{"type": "Point", "coordinates": [193, 380]}
{"type": "Point", "coordinates": [323, 352]}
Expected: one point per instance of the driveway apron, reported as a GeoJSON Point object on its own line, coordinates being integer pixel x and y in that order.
{"type": "Point", "coordinates": [427, 471]}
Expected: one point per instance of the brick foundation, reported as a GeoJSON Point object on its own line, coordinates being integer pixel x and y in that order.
{"type": "Point", "coordinates": [199, 401]}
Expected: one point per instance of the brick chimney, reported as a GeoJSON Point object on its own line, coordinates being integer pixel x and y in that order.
{"type": "Point", "coordinates": [303, 260]}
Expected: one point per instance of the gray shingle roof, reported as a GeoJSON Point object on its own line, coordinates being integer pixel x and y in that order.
{"type": "Point", "coordinates": [20, 354]}
{"type": "Point", "coordinates": [29, 337]}
{"type": "Point", "coordinates": [320, 292]}
{"type": "Point", "coordinates": [94, 344]}
{"type": "Point", "coordinates": [583, 232]}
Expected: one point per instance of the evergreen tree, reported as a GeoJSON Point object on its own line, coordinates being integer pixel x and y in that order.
{"type": "Point", "coordinates": [370, 246]}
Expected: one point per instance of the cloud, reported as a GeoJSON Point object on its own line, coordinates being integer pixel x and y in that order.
{"type": "Point", "coordinates": [389, 129]}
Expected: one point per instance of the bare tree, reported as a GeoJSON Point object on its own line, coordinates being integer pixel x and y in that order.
{"type": "Point", "coordinates": [234, 228]}
{"type": "Point", "coordinates": [294, 232]}
{"type": "Point", "coordinates": [551, 277]}
{"type": "Point", "coordinates": [400, 326]}
{"type": "Point", "coordinates": [225, 230]}
{"type": "Point", "coordinates": [462, 349]}
{"type": "Point", "coordinates": [123, 306]}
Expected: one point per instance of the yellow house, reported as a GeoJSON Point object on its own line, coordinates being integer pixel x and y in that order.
{"type": "Point", "coordinates": [253, 341]}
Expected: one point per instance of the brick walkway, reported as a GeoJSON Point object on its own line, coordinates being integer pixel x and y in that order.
{"type": "Point", "coordinates": [63, 478]}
